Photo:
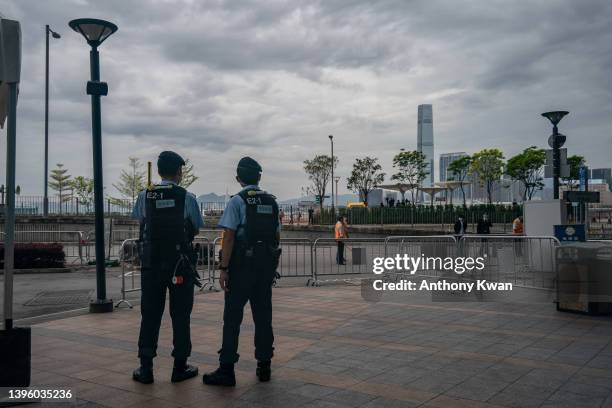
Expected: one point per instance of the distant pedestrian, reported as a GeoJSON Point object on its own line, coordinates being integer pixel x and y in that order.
{"type": "Point", "coordinates": [340, 235]}
{"type": "Point", "coordinates": [310, 216]}
{"type": "Point", "coordinates": [460, 227]}
{"type": "Point", "coordinates": [484, 225]}
{"type": "Point", "coordinates": [281, 215]}
{"type": "Point", "coordinates": [518, 229]}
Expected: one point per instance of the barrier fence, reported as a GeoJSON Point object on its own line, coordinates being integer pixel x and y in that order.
{"type": "Point", "coordinates": [523, 261]}
{"type": "Point", "coordinates": [526, 261]}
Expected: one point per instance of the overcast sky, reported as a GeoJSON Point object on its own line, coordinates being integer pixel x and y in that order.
{"type": "Point", "coordinates": [216, 80]}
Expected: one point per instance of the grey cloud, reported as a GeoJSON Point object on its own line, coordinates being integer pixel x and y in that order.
{"type": "Point", "coordinates": [219, 79]}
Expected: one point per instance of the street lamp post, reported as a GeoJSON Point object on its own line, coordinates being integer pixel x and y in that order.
{"type": "Point", "coordinates": [331, 139]}
{"type": "Point", "coordinates": [556, 140]}
{"type": "Point", "coordinates": [54, 35]}
{"type": "Point", "coordinates": [95, 32]}
{"type": "Point", "coordinates": [336, 179]}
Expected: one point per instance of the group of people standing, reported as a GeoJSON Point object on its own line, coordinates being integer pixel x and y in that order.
{"type": "Point", "coordinates": [484, 225]}
{"type": "Point", "coordinates": [169, 219]}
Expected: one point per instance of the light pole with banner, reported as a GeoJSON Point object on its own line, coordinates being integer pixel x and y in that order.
{"type": "Point", "coordinates": [46, 197]}
{"type": "Point", "coordinates": [95, 32]}
{"type": "Point", "coordinates": [15, 343]}
{"type": "Point", "coordinates": [556, 141]}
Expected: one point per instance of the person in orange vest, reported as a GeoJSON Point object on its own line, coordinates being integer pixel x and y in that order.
{"type": "Point", "coordinates": [340, 234]}
{"type": "Point", "coordinates": [518, 228]}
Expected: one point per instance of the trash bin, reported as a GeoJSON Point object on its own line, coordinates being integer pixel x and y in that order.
{"type": "Point", "coordinates": [358, 256]}
{"type": "Point", "coordinates": [584, 277]}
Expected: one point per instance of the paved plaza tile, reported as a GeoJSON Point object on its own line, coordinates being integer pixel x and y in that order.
{"type": "Point", "coordinates": [334, 349]}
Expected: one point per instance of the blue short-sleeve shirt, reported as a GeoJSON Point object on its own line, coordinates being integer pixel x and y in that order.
{"type": "Point", "coordinates": [192, 209]}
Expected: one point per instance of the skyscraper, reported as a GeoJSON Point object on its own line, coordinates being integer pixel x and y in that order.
{"type": "Point", "coordinates": [425, 140]}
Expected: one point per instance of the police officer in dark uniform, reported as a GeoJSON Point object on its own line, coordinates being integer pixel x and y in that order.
{"type": "Point", "coordinates": [169, 219]}
{"type": "Point", "coordinates": [249, 257]}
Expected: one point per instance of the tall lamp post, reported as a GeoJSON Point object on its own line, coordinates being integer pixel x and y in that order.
{"type": "Point", "coordinates": [556, 140]}
{"type": "Point", "coordinates": [336, 179]}
{"type": "Point", "coordinates": [95, 32]}
{"type": "Point", "coordinates": [54, 35]}
{"type": "Point", "coordinates": [331, 139]}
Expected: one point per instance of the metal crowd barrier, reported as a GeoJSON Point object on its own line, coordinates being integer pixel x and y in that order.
{"type": "Point", "coordinates": [129, 257]}
{"type": "Point", "coordinates": [130, 264]}
{"type": "Point", "coordinates": [416, 246]}
{"type": "Point", "coordinates": [526, 261]}
{"type": "Point", "coordinates": [358, 253]}
{"type": "Point", "coordinates": [73, 242]}
{"type": "Point", "coordinates": [521, 260]}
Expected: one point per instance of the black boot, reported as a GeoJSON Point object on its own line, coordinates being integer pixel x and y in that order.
{"type": "Point", "coordinates": [183, 371]}
{"type": "Point", "coordinates": [224, 375]}
{"type": "Point", "coordinates": [263, 371]}
{"type": "Point", "coordinates": [144, 373]}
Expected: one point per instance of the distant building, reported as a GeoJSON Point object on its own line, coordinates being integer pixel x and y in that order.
{"type": "Point", "coordinates": [425, 140]}
{"type": "Point", "coordinates": [445, 160]}
{"type": "Point", "coordinates": [603, 174]}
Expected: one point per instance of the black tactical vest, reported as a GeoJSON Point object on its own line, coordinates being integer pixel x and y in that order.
{"type": "Point", "coordinates": [164, 232]}
{"type": "Point", "coordinates": [261, 217]}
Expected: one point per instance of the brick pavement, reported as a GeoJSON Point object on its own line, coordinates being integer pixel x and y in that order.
{"type": "Point", "coordinates": [334, 349]}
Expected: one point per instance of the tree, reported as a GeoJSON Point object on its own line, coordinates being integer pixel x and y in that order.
{"type": "Point", "coordinates": [60, 182]}
{"type": "Point", "coordinates": [188, 176]}
{"type": "Point", "coordinates": [459, 170]}
{"type": "Point", "coordinates": [488, 165]}
{"type": "Point", "coordinates": [131, 182]}
{"type": "Point", "coordinates": [526, 167]}
{"type": "Point", "coordinates": [574, 162]}
{"type": "Point", "coordinates": [83, 188]}
{"type": "Point", "coordinates": [318, 171]}
{"type": "Point", "coordinates": [411, 169]}
{"type": "Point", "coordinates": [365, 176]}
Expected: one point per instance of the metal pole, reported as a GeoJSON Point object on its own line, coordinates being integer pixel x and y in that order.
{"type": "Point", "coordinates": [46, 196]}
{"type": "Point", "coordinates": [101, 304]}
{"type": "Point", "coordinates": [9, 229]}
{"type": "Point", "coordinates": [331, 139]}
{"type": "Point", "coordinates": [556, 163]}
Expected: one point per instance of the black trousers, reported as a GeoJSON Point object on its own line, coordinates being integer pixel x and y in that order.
{"type": "Point", "coordinates": [154, 284]}
{"type": "Point", "coordinates": [340, 253]}
{"type": "Point", "coordinates": [249, 281]}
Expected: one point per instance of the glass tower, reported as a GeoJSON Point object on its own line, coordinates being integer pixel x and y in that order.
{"type": "Point", "coordinates": [425, 140]}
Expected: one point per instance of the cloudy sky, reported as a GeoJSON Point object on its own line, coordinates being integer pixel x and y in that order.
{"type": "Point", "coordinates": [216, 80]}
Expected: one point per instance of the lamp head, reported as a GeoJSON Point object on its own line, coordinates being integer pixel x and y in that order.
{"type": "Point", "coordinates": [331, 137]}
{"type": "Point", "coordinates": [555, 116]}
{"type": "Point", "coordinates": [94, 30]}
{"type": "Point", "coordinates": [55, 35]}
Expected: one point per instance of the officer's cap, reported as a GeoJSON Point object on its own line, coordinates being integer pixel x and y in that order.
{"type": "Point", "coordinates": [248, 170]}
{"type": "Point", "coordinates": [169, 162]}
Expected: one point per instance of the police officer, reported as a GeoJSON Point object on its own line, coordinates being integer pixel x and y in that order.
{"type": "Point", "coordinates": [249, 257]}
{"type": "Point", "coordinates": [169, 219]}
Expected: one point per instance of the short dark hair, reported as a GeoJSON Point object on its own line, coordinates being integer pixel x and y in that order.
{"type": "Point", "coordinates": [169, 163]}
{"type": "Point", "coordinates": [248, 170]}
{"type": "Point", "coordinates": [340, 217]}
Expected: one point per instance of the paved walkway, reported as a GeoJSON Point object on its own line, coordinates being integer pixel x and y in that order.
{"type": "Point", "coordinates": [334, 349]}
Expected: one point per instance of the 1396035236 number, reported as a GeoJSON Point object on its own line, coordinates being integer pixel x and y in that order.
{"type": "Point", "coordinates": [28, 394]}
